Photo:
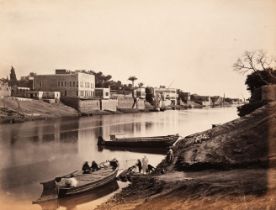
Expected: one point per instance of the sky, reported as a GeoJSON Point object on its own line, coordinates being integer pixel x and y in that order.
{"type": "Point", "coordinates": [186, 44]}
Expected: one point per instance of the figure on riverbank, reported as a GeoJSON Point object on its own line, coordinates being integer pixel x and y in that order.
{"type": "Point", "coordinates": [114, 163]}
{"type": "Point", "coordinates": [170, 156]}
{"type": "Point", "coordinates": [86, 168]}
{"type": "Point", "coordinates": [145, 162]}
{"type": "Point", "coordinates": [139, 165]}
{"type": "Point", "coordinates": [150, 168]}
{"type": "Point", "coordinates": [94, 166]}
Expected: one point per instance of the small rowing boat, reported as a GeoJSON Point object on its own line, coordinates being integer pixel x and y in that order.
{"type": "Point", "coordinates": [77, 182]}
{"type": "Point", "coordinates": [146, 142]}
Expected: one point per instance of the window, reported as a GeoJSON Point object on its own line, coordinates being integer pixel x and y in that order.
{"type": "Point", "coordinates": [74, 84]}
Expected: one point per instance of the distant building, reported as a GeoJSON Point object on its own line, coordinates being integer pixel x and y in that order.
{"type": "Point", "coordinates": [166, 94]}
{"type": "Point", "coordinates": [202, 100]}
{"type": "Point", "coordinates": [102, 93]}
{"type": "Point", "coordinates": [216, 101]}
{"type": "Point", "coordinates": [68, 83]}
{"type": "Point", "coordinates": [184, 97]}
{"type": "Point", "coordinates": [5, 89]}
{"type": "Point", "coordinates": [140, 92]}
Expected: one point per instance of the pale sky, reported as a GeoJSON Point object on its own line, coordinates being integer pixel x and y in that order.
{"type": "Point", "coordinates": [186, 44]}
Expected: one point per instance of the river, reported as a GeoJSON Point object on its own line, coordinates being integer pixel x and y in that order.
{"type": "Point", "coordinates": [36, 151]}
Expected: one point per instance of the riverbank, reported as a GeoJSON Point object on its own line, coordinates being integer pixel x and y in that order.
{"type": "Point", "coordinates": [14, 111]}
{"type": "Point", "coordinates": [228, 167]}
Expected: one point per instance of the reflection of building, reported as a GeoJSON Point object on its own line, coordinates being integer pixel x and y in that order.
{"type": "Point", "coordinates": [5, 90]}
{"type": "Point", "coordinates": [68, 83]}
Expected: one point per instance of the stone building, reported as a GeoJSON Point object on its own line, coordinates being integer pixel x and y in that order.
{"type": "Point", "coordinates": [71, 84]}
{"type": "Point", "coordinates": [5, 90]}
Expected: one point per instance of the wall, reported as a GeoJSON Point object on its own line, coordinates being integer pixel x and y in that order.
{"type": "Point", "coordinates": [89, 106]}
{"type": "Point", "coordinates": [110, 105]}
{"type": "Point", "coordinates": [127, 102]}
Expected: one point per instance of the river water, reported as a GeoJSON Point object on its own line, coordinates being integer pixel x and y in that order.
{"type": "Point", "coordinates": [37, 151]}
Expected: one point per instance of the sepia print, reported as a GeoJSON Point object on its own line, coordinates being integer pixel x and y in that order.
{"type": "Point", "coordinates": [135, 104]}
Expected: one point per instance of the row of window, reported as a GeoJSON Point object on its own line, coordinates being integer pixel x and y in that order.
{"type": "Point", "coordinates": [81, 93]}
{"type": "Point", "coordinates": [75, 84]}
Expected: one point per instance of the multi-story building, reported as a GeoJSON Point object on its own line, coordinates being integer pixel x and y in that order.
{"type": "Point", "coordinates": [72, 84]}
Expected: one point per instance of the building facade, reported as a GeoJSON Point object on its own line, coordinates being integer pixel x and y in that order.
{"type": "Point", "coordinates": [166, 94]}
{"type": "Point", "coordinates": [69, 84]}
{"type": "Point", "coordinates": [5, 89]}
{"type": "Point", "coordinates": [102, 93]}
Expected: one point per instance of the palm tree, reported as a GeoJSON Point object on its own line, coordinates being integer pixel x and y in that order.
{"type": "Point", "coordinates": [132, 79]}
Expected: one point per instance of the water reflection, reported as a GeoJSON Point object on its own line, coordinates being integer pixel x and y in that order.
{"type": "Point", "coordinates": [40, 150]}
{"type": "Point", "coordinates": [72, 203]}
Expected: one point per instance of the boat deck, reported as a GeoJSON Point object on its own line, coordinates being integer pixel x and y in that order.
{"type": "Point", "coordinates": [84, 179]}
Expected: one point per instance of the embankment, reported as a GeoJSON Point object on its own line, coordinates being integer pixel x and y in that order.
{"type": "Point", "coordinates": [12, 110]}
{"type": "Point", "coordinates": [231, 166]}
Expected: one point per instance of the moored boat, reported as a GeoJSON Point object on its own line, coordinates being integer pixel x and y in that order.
{"type": "Point", "coordinates": [77, 182]}
{"type": "Point", "coordinates": [147, 142]}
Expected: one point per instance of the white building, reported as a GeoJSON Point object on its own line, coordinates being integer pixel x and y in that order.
{"type": "Point", "coordinates": [102, 93]}
{"type": "Point", "coordinates": [166, 94]}
{"type": "Point", "coordinates": [68, 83]}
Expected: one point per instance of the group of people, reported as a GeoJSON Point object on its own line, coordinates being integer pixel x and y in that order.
{"type": "Point", "coordinates": [86, 169]}
{"type": "Point", "coordinates": [144, 166]}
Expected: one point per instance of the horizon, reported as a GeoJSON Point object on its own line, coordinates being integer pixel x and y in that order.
{"type": "Point", "coordinates": [188, 45]}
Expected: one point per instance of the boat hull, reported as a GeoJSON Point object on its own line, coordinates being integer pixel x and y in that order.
{"type": "Point", "coordinates": [64, 192]}
{"type": "Point", "coordinates": [143, 142]}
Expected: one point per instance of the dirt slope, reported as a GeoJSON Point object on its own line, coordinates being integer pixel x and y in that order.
{"type": "Point", "coordinates": [11, 109]}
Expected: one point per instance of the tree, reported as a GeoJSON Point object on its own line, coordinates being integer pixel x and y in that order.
{"type": "Point", "coordinates": [141, 84]}
{"type": "Point", "coordinates": [132, 79]}
{"type": "Point", "coordinates": [13, 79]}
{"type": "Point", "coordinates": [256, 62]}
{"type": "Point", "coordinates": [260, 67]}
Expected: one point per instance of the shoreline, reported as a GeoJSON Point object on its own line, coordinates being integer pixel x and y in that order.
{"type": "Point", "coordinates": [247, 178]}
{"type": "Point", "coordinates": [11, 115]}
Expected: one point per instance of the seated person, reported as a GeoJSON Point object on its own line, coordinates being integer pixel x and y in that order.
{"type": "Point", "coordinates": [94, 166]}
{"type": "Point", "coordinates": [114, 164]}
{"type": "Point", "coordinates": [150, 168]}
{"type": "Point", "coordinates": [86, 168]}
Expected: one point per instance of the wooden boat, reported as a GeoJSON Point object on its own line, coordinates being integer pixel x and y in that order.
{"type": "Point", "coordinates": [61, 187]}
{"type": "Point", "coordinates": [146, 142]}
{"type": "Point", "coordinates": [73, 201]}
